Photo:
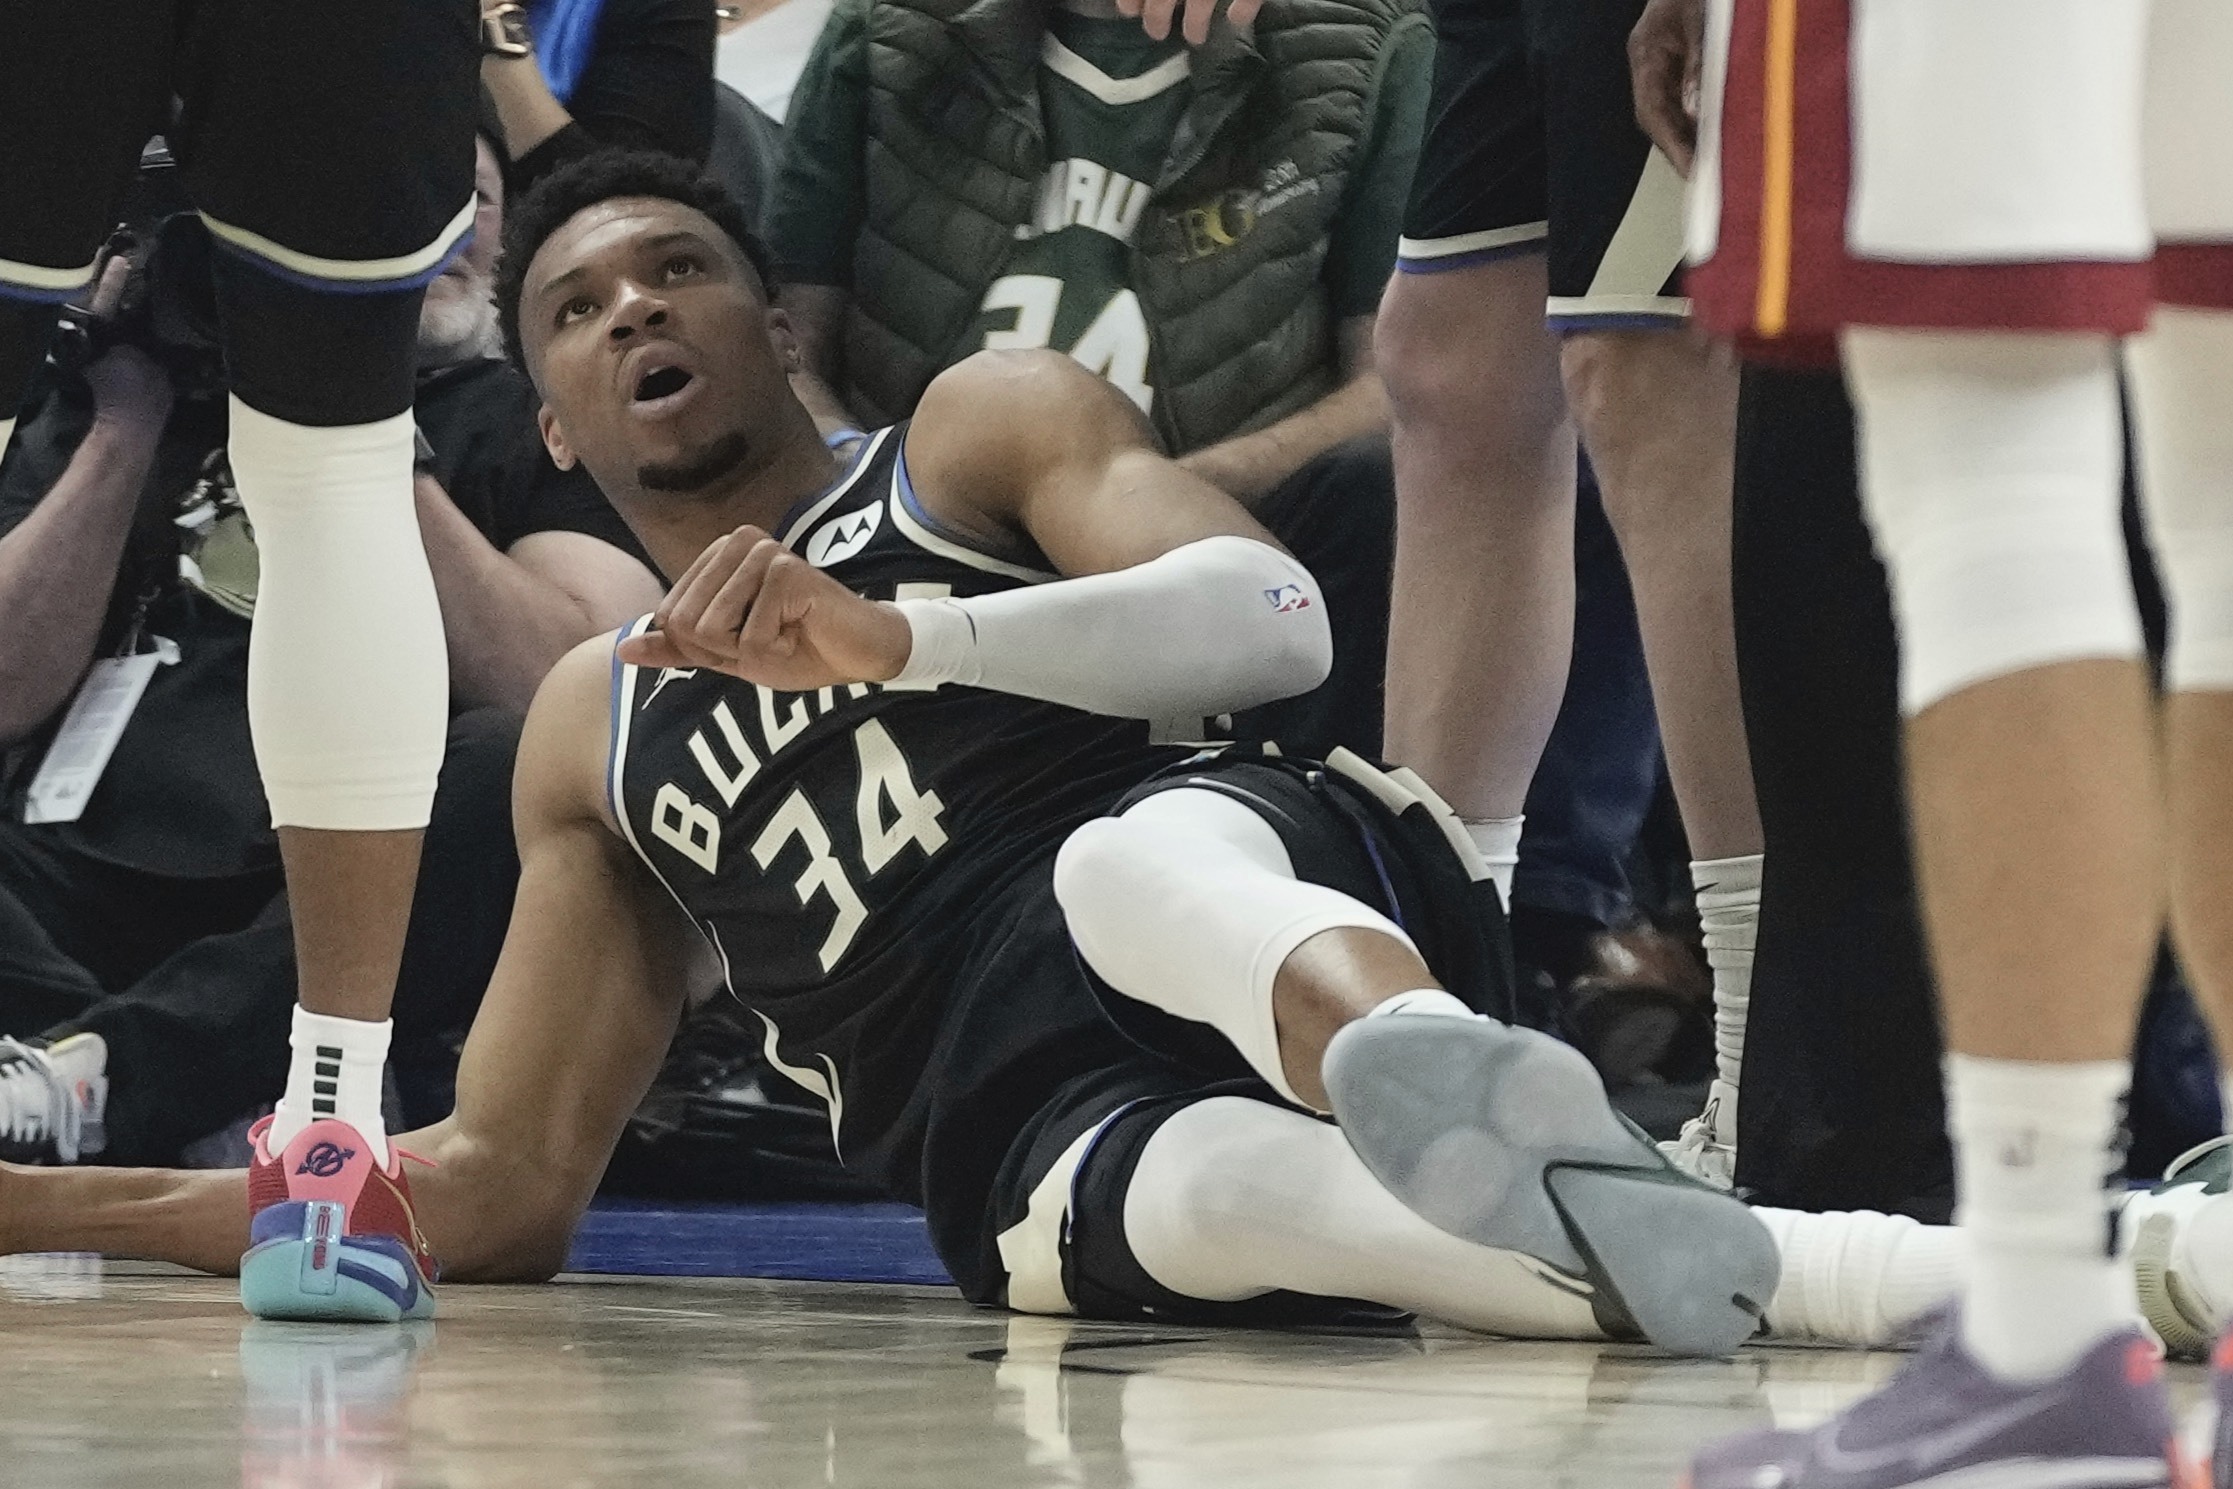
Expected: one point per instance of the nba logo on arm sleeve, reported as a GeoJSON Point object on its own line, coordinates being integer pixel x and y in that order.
{"type": "Point", "coordinates": [1287, 597]}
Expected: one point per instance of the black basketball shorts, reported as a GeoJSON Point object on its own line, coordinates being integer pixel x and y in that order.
{"type": "Point", "coordinates": [1053, 1238]}
{"type": "Point", "coordinates": [329, 144]}
{"type": "Point", "coordinates": [1532, 147]}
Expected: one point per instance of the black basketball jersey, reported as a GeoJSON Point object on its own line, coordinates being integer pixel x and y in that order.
{"type": "Point", "coordinates": [838, 848]}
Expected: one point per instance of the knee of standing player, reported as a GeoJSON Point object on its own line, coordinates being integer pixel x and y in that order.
{"type": "Point", "coordinates": [1451, 367]}
{"type": "Point", "coordinates": [1614, 381]}
{"type": "Point", "coordinates": [1994, 469]}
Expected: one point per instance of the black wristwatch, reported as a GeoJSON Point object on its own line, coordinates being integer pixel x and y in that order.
{"type": "Point", "coordinates": [504, 32]}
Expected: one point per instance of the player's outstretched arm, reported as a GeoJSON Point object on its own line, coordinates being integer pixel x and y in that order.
{"type": "Point", "coordinates": [1178, 603]}
{"type": "Point", "coordinates": [574, 1025]}
{"type": "Point", "coordinates": [578, 1015]}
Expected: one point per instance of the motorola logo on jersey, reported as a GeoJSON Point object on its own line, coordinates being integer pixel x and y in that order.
{"type": "Point", "coordinates": [1287, 597]}
{"type": "Point", "coordinates": [842, 537]}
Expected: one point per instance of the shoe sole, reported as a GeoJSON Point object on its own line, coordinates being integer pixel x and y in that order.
{"type": "Point", "coordinates": [2164, 1302]}
{"type": "Point", "coordinates": [321, 1274]}
{"type": "Point", "coordinates": [1503, 1137]}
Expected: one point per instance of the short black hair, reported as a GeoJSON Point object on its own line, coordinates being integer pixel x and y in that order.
{"type": "Point", "coordinates": [581, 184]}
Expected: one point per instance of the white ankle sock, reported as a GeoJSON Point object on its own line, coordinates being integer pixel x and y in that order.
{"type": "Point", "coordinates": [1431, 1000]}
{"type": "Point", "coordinates": [1859, 1277]}
{"type": "Point", "coordinates": [2034, 1144]}
{"type": "Point", "coordinates": [336, 1072]}
{"type": "Point", "coordinates": [7, 431]}
{"type": "Point", "coordinates": [1729, 915]}
{"type": "Point", "coordinates": [1498, 838]}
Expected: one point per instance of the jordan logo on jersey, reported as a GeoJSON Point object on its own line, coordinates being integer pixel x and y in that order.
{"type": "Point", "coordinates": [842, 537]}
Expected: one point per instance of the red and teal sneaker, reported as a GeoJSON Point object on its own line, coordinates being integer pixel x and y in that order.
{"type": "Point", "coordinates": [332, 1235]}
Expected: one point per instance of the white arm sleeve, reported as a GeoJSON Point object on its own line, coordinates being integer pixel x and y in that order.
{"type": "Point", "coordinates": [1220, 624]}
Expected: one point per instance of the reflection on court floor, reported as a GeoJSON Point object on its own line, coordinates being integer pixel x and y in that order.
{"type": "Point", "coordinates": [123, 1376]}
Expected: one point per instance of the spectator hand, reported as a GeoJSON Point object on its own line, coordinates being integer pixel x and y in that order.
{"type": "Point", "coordinates": [129, 386]}
{"type": "Point", "coordinates": [754, 609]}
{"type": "Point", "coordinates": [1155, 15]}
{"type": "Point", "coordinates": [1666, 60]}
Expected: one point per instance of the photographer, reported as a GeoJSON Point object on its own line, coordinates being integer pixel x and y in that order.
{"type": "Point", "coordinates": [145, 951]}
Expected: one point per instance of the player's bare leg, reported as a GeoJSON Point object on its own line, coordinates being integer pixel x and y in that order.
{"type": "Point", "coordinates": [1992, 466]}
{"type": "Point", "coordinates": [1483, 608]}
{"type": "Point", "coordinates": [2182, 385]}
{"type": "Point", "coordinates": [348, 957]}
{"type": "Point", "coordinates": [1658, 414]}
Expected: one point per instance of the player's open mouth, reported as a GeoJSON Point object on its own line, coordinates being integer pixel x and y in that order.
{"type": "Point", "coordinates": [661, 382]}
{"type": "Point", "coordinates": [661, 390]}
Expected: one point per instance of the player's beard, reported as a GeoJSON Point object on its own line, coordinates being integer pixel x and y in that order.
{"type": "Point", "coordinates": [724, 456]}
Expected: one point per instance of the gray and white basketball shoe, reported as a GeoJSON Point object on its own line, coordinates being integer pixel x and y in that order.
{"type": "Point", "coordinates": [1503, 1137]}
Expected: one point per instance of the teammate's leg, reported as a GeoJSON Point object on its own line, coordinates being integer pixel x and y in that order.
{"type": "Point", "coordinates": [1189, 902]}
{"type": "Point", "coordinates": [1483, 601]}
{"type": "Point", "coordinates": [1657, 411]}
{"type": "Point", "coordinates": [348, 693]}
{"type": "Point", "coordinates": [550, 1073]}
{"type": "Point", "coordinates": [334, 168]}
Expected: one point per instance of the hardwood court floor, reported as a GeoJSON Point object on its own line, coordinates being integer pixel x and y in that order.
{"type": "Point", "coordinates": [133, 1376]}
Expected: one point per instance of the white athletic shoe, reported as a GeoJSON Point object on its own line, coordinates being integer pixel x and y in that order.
{"type": "Point", "coordinates": [52, 1099]}
{"type": "Point", "coordinates": [1707, 1149]}
{"type": "Point", "coordinates": [2179, 1238]}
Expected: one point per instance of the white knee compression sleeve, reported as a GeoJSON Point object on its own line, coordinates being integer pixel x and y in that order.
{"type": "Point", "coordinates": [2182, 384]}
{"type": "Point", "coordinates": [1189, 903]}
{"type": "Point", "coordinates": [1992, 470]}
{"type": "Point", "coordinates": [348, 681]}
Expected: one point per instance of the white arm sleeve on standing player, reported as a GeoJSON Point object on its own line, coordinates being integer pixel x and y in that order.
{"type": "Point", "coordinates": [1216, 625]}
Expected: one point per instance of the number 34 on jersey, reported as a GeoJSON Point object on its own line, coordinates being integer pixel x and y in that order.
{"type": "Point", "coordinates": [889, 813]}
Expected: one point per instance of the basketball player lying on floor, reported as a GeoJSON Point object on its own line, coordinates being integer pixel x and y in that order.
{"type": "Point", "coordinates": [884, 750]}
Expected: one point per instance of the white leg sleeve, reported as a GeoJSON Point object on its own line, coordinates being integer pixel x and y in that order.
{"type": "Point", "coordinates": [1233, 1198]}
{"type": "Point", "coordinates": [1992, 472]}
{"type": "Point", "coordinates": [348, 680]}
{"type": "Point", "coordinates": [1189, 903]}
{"type": "Point", "coordinates": [2182, 385]}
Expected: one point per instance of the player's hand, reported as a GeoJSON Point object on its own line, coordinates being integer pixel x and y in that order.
{"type": "Point", "coordinates": [1666, 61]}
{"type": "Point", "coordinates": [1155, 16]}
{"type": "Point", "coordinates": [752, 608]}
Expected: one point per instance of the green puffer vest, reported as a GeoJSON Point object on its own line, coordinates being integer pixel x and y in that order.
{"type": "Point", "coordinates": [1227, 258]}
